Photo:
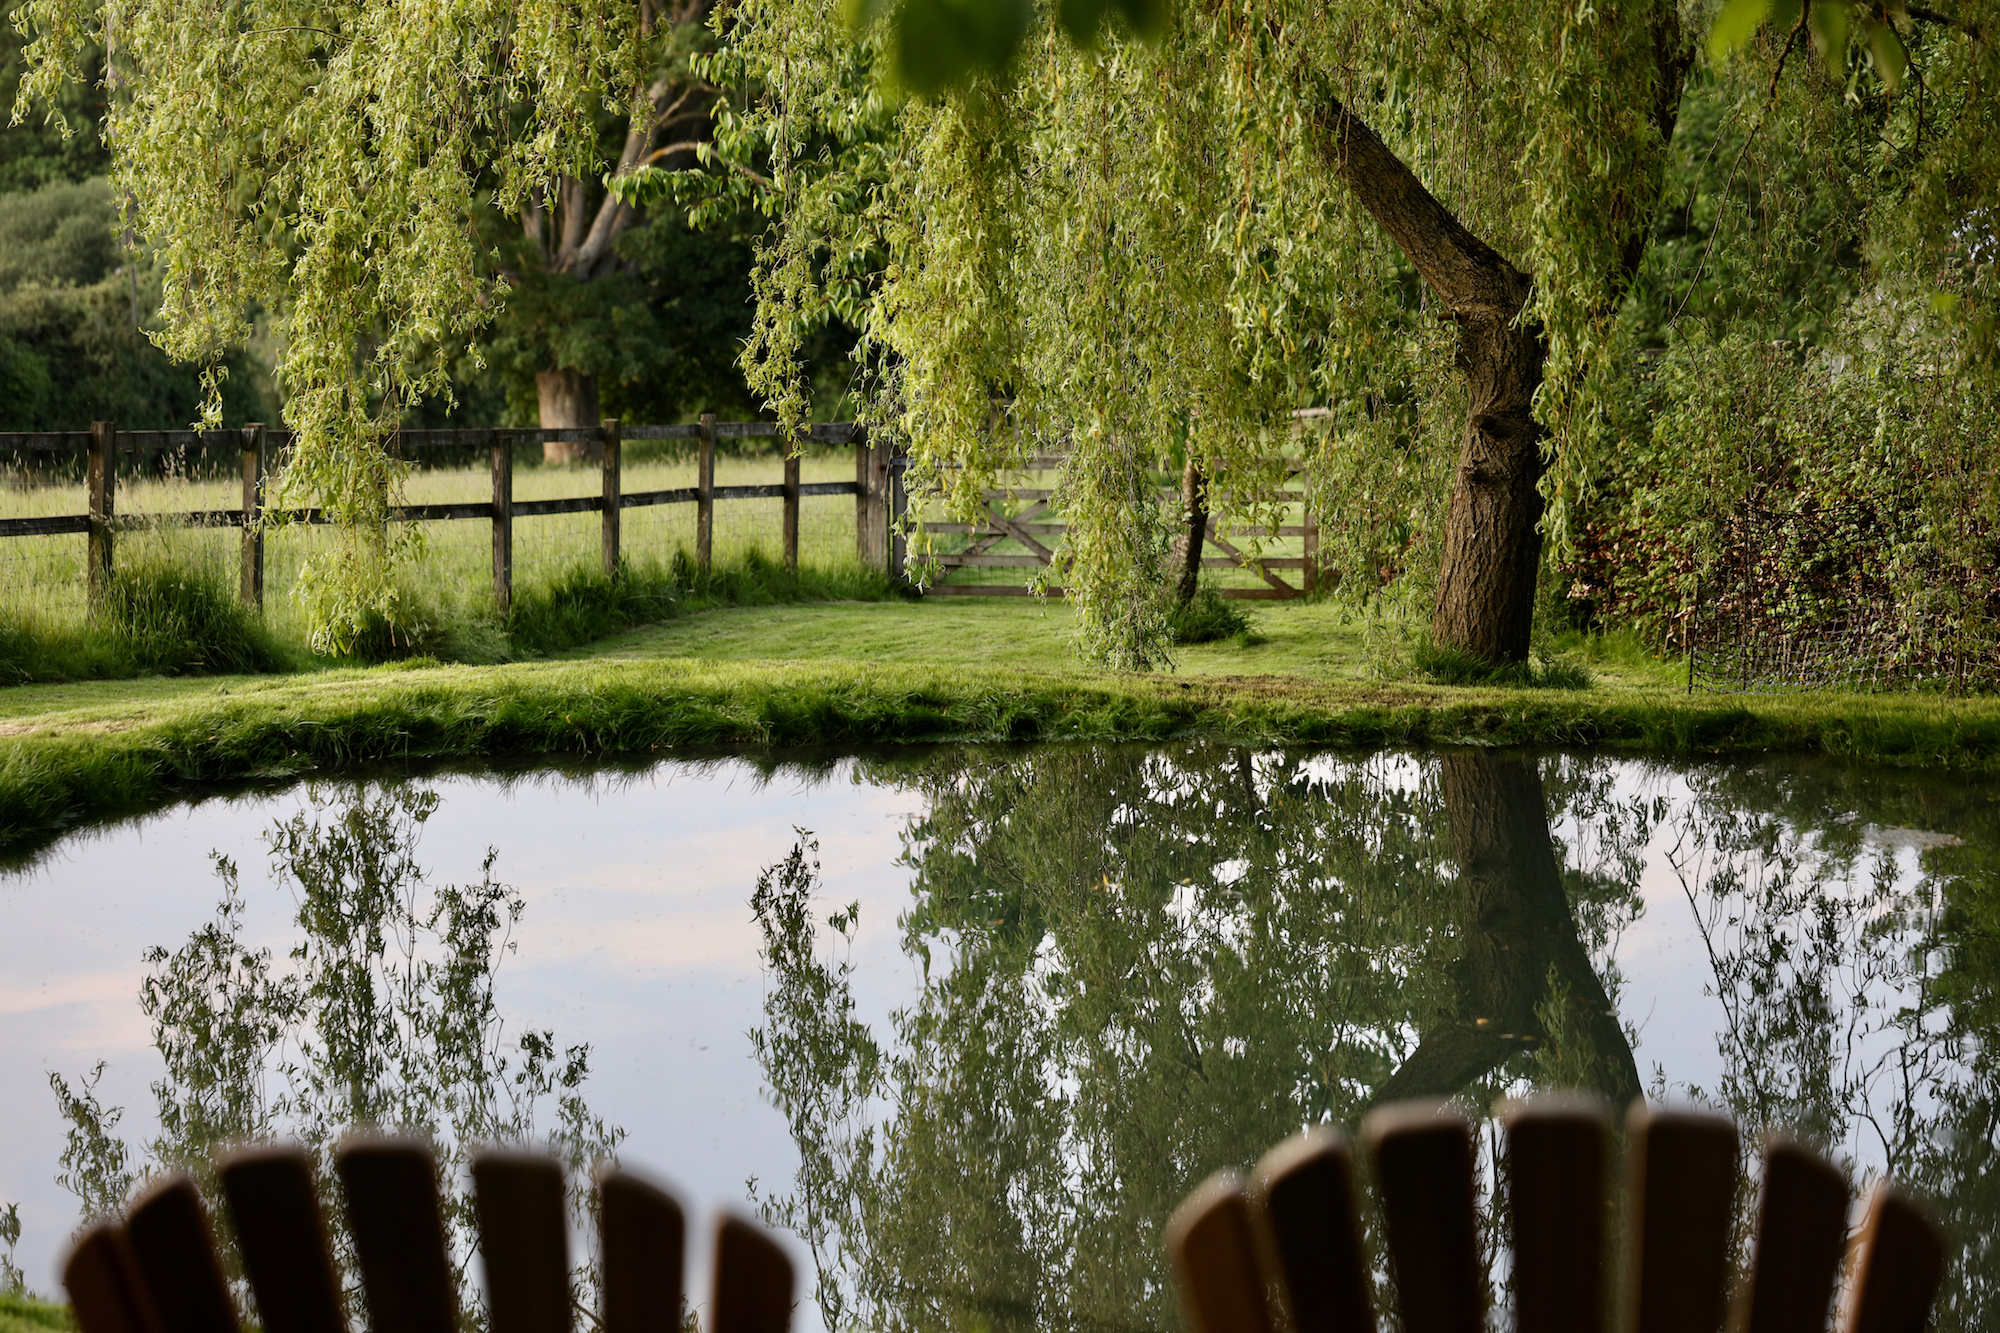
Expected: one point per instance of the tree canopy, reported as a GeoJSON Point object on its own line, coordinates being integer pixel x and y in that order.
{"type": "Point", "coordinates": [1143, 243]}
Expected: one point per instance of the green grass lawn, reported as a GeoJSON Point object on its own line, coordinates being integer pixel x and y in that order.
{"type": "Point", "coordinates": [1312, 641]}
{"type": "Point", "coordinates": [854, 673]}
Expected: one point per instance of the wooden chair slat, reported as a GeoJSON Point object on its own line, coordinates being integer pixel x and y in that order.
{"type": "Point", "coordinates": [1801, 1232]}
{"type": "Point", "coordinates": [1214, 1256]}
{"type": "Point", "coordinates": [1423, 1169]}
{"type": "Point", "coordinates": [523, 1240]}
{"type": "Point", "coordinates": [107, 1293]}
{"type": "Point", "coordinates": [280, 1234]}
{"type": "Point", "coordinates": [1683, 1188]}
{"type": "Point", "coordinates": [390, 1189]}
{"type": "Point", "coordinates": [175, 1248]}
{"type": "Point", "coordinates": [1902, 1258]}
{"type": "Point", "coordinates": [1304, 1192]}
{"type": "Point", "coordinates": [753, 1281]}
{"type": "Point", "coordinates": [1558, 1153]}
{"type": "Point", "coordinates": [643, 1238]}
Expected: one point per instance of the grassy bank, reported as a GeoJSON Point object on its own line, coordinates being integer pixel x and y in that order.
{"type": "Point", "coordinates": [73, 754]}
{"type": "Point", "coordinates": [180, 619]}
{"type": "Point", "coordinates": [25, 1314]}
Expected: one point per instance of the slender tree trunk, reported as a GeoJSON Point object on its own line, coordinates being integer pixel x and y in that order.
{"type": "Point", "coordinates": [1521, 945]}
{"type": "Point", "coordinates": [568, 401]}
{"type": "Point", "coordinates": [1194, 503]}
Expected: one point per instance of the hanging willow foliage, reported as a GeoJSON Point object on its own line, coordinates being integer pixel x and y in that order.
{"type": "Point", "coordinates": [324, 162]}
{"type": "Point", "coordinates": [1140, 253]}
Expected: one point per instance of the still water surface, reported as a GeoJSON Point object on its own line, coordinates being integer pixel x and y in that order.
{"type": "Point", "coordinates": [969, 1022]}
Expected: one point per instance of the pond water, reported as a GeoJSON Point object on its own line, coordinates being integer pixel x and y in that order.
{"type": "Point", "coordinates": [969, 1022]}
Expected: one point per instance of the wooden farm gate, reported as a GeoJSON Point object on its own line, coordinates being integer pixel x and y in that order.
{"type": "Point", "coordinates": [1037, 529]}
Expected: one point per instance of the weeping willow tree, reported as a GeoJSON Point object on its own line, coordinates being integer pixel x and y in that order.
{"type": "Point", "coordinates": [1421, 221]}
{"type": "Point", "coordinates": [1144, 253]}
{"type": "Point", "coordinates": [324, 162]}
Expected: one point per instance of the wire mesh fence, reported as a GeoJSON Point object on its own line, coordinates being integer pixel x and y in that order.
{"type": "Point", "coordinates": [1810, 599]}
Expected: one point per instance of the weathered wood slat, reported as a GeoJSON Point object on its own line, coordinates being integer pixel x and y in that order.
{"type": "Point", "coordinates": [988, 530]}
{"type": "Point", "coordinates": [47, 441]}
{"type": "Point", "coordinates": [672, 496]}
{"type": "Point", "coordinates": [965, 561]}
{"type": "Point", "coordinates": [828, 488]}
{"type": "Point", "coordinates": [568, 504]}
{"type": "Point", "coordinates": [1268, 562]}
{"type": "Point", "coordinates": [1303, 1193]}
{"type": "Point", "coordinates": [282, 1238]}
{"type": "Point", "coordinates": [1683, 1186]}
{"type": "Point", "coordinates": [1213, 1249]}
{"type": "Point", "coordinates": [1902, 1256]}
{"type": "Point", "coordinates": [440, 513]}
{"type": "Point", "coordinates": [753, 1281]}
{"type": "Point", "coordinates": [775, 491]}
{"type": "Point", "coordinates": [984, 590]}
{"type": "Point", "coordinates": [1801, 1231]}
{"type": "Point", "coordinates": [642, 1236]}
{"type": "Point", "coordinates": [1018, 493]}
{"type": "Point", "coordinates": [44, 527]}
{"type": "Point", "coordinates": [175, 1249]}
{"type": "Point", "coordinates": [390, 1188]}
{"type": "Point", "coordinates": [1558, 1153]}
{"type": "Point", "coordinates": [1423, 1168]}
{"type": "Point", "coordinates": [107, 1293]}
{"type": "Point", "coordinates": [523, 1240]}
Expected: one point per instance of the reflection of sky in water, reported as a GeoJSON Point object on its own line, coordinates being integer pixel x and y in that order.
{"type": "Point", "coordinates": [637, 937]}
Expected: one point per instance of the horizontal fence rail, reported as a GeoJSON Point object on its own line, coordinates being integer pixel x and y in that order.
{"type": "Point", "coordinates": [876, 488]}
{"type": "Point", "coordinates": [881, 502]}
{"type": "Point", "coordinates": [1028, 526]}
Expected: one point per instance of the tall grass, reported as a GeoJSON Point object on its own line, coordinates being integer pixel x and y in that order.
{"type": "Point", "coordinates": [155, 619]}
{"type": "Point", "coordinates": [163, 618]}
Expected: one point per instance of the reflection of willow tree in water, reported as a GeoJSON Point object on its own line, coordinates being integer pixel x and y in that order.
{"type": "Point", "coordinates": [382, 1015]}
{"type": "Point", "coordinates": [1144, 965]}
{"type": "Point", "coordinates": [1857, 965]}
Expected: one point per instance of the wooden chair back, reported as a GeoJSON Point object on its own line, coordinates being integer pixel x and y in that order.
{"type": "Point", "coordinates": [1282, 1252]}
{"type": "Point", "coordinates": [158, 1270]}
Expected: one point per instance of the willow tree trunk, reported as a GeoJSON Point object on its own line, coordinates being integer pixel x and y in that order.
{"type": "Point", "coordinates": [1194, 507]}
{"type": "Point", "coordinates": [1492, 543]}
{"type": "Point", "coordinates": [1522, 961]}
{"type": "Point", "coordinates": [568, 400]}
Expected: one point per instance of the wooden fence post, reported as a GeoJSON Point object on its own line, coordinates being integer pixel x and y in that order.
{"type": "Point", "coordinates": [864, 508]}
{"type": "Point", "coordinates": [252, 580]}
{"type": "Point", "coordinates": [704, 486]}
{"type": "Point", "coordinates": [503, 522]}
{"type": "Point", "coordinates": [613, 483]}
{"type": "Point", "coordinates": [103, 473]}
{"type": "Point", "coordinates": [872, 504]}
{"type": "Point", "coordinates": [1311, 548]}
{"type": "Point", "coordinates": [791, 512]}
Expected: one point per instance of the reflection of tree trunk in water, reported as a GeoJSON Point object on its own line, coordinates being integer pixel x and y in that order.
{"type": "Point", "coordinates": [1518, 929]}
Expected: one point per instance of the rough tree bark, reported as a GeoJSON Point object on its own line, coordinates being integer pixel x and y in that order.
{"type": "Point", "coordinates": [1519, 934]}
{"type": "Point", "coordinates": [580, 241]}
{"type": "Point", "coordinates": [1493, 543]}
{"type": "Point", "coordinates": [568, 400]}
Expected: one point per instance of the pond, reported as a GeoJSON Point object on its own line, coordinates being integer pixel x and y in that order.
{"type": "Point", "coordinates": [968, 1022]}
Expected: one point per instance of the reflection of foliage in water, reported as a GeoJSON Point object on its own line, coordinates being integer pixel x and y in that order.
{"type": "Point", "coordinates": [1141, 965]}
{"type": "Point", "coordinates": [1854, 960]}
{"type": "Point", "coordinates": [381, 1016]}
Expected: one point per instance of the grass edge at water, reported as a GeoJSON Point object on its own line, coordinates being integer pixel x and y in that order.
{"type": "Point", "coordinates": [135, 748]}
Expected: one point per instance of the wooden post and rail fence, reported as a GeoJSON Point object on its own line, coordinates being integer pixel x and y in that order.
{"type": "Point", "coordinates": [880, 503]}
